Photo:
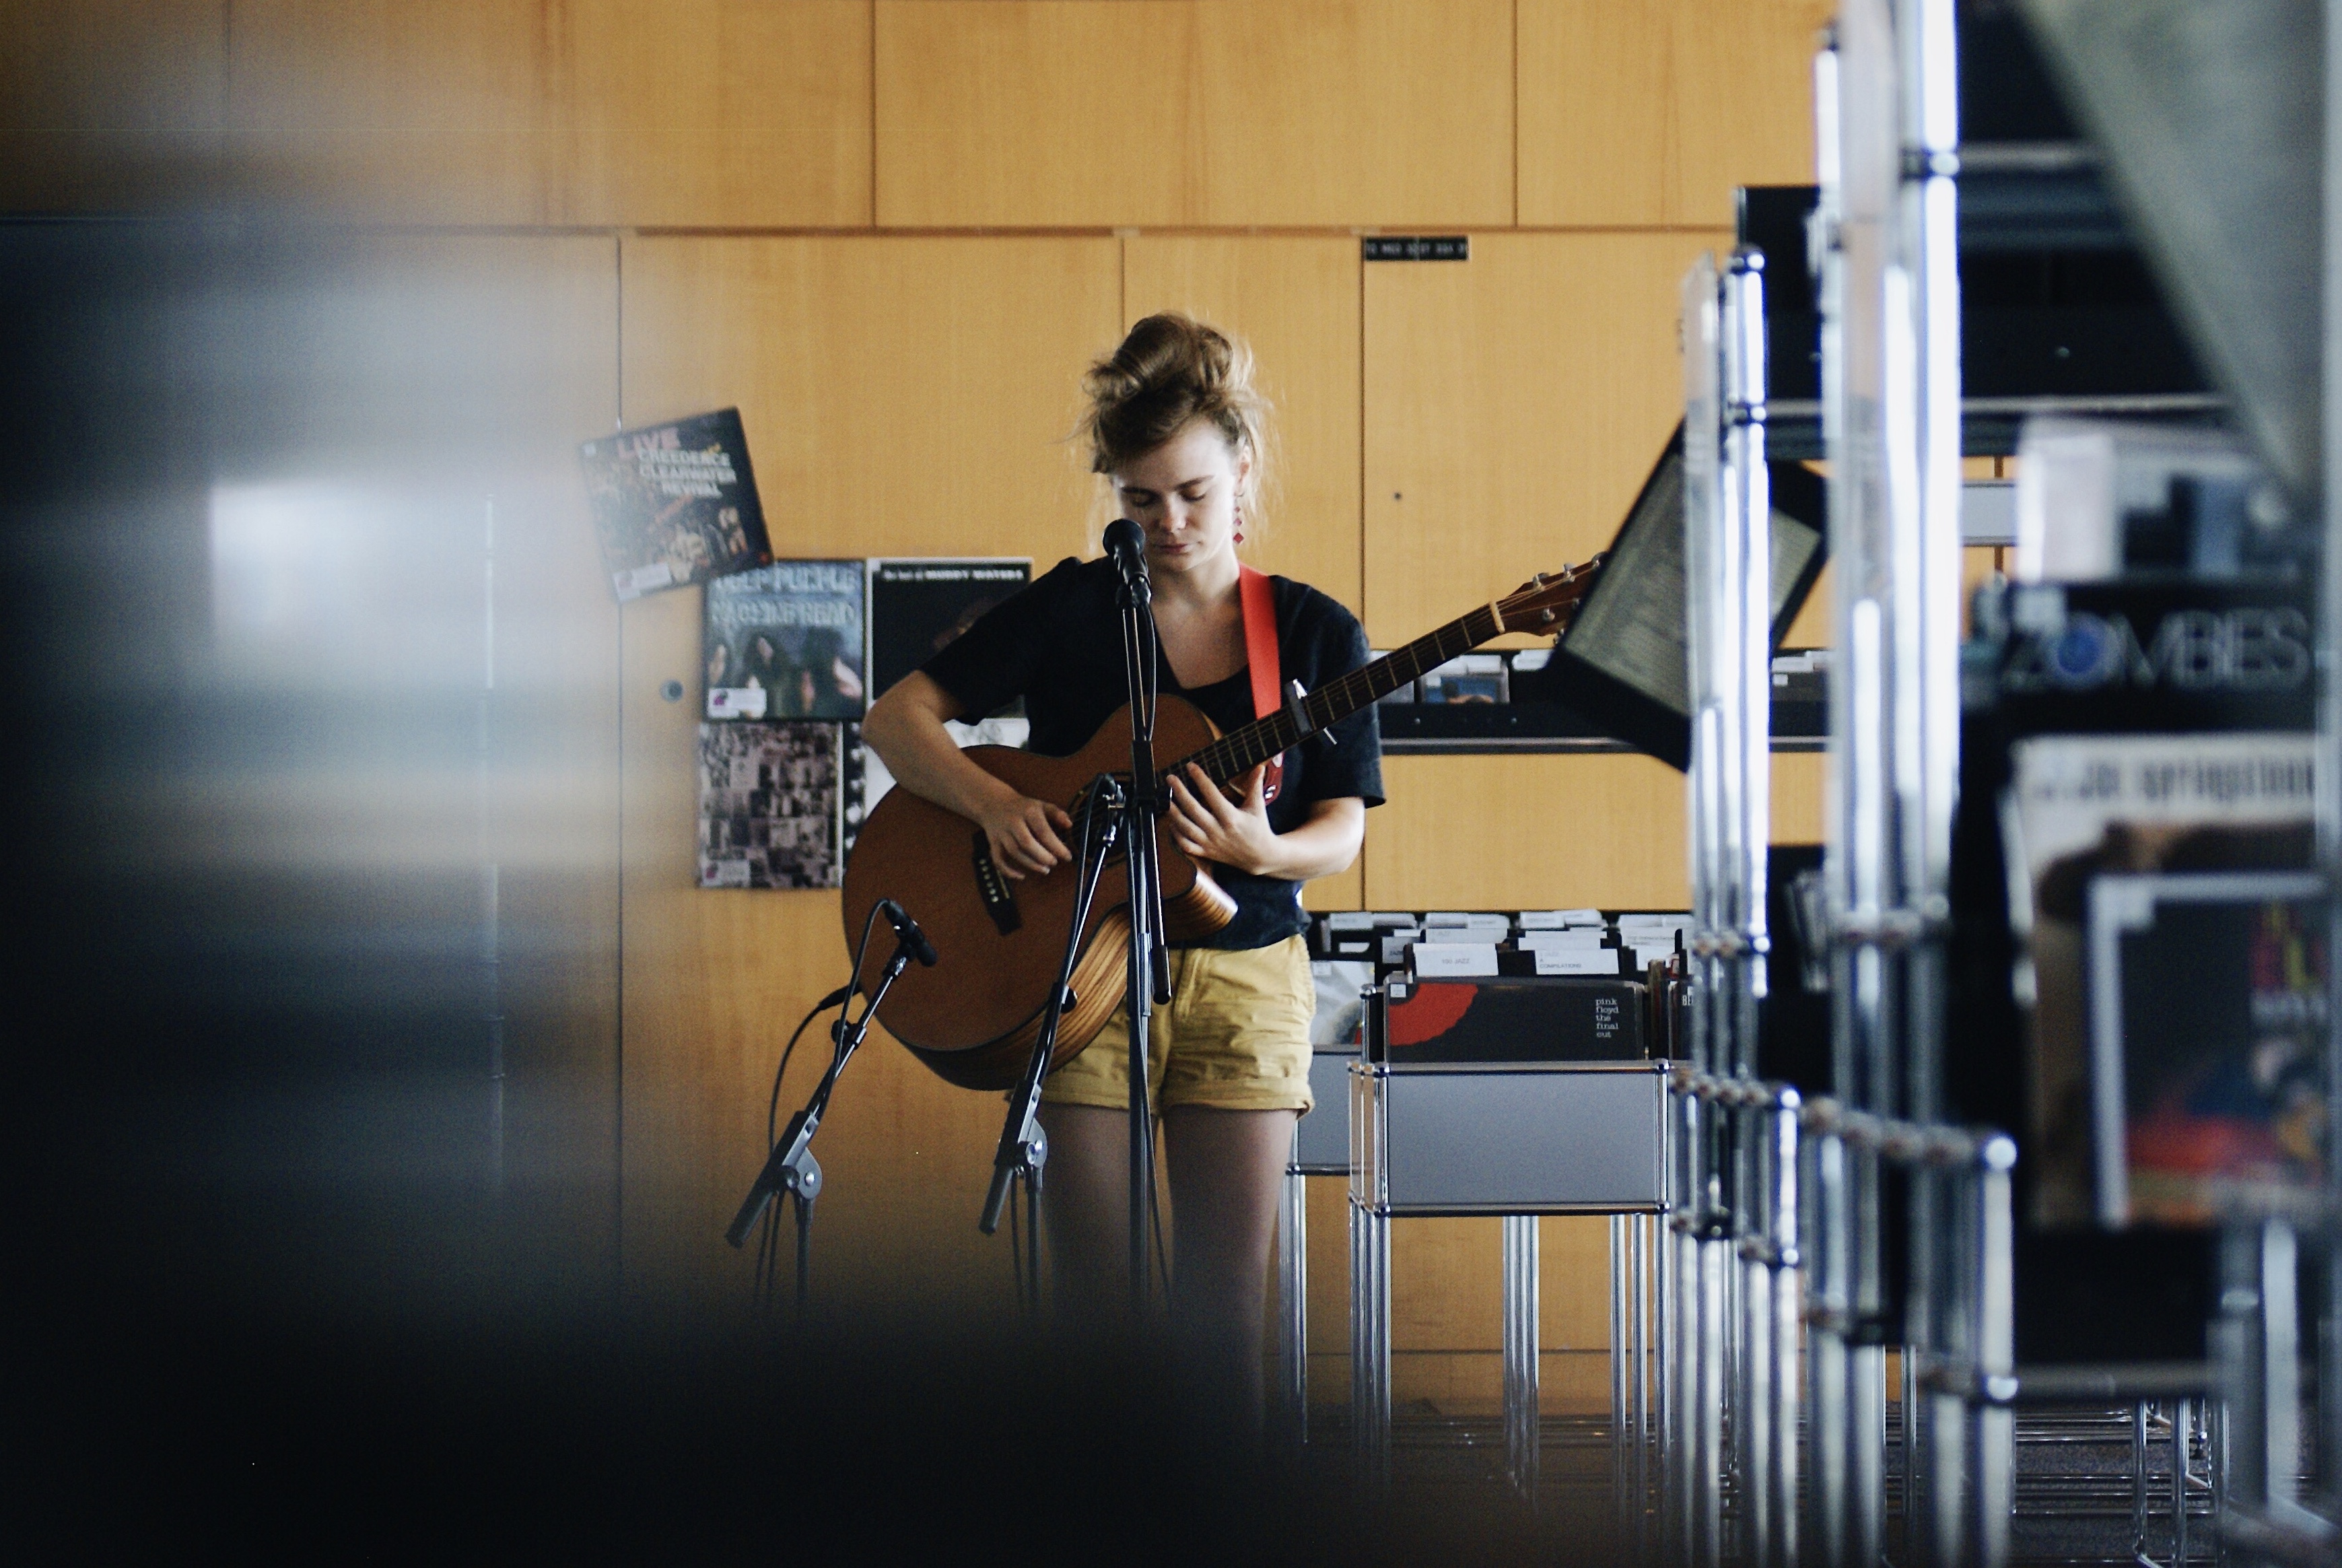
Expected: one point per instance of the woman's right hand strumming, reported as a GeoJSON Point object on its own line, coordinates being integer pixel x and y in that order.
{"type": "Point", "coordinates": [1025, 834]}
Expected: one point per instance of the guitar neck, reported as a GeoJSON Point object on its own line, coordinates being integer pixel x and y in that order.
{"type": "Point", "coordinates": [1239, 751]}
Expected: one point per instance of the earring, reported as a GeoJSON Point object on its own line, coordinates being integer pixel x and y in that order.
{"type": "Point", "coordinates": [1239, 527]}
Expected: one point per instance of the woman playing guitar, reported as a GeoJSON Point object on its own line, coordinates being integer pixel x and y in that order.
{"type": "Point", "coordinates": [1176, 425]}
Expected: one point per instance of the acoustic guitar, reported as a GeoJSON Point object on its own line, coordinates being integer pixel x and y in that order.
{"type": "Point", "coordinates": [975, 1016]}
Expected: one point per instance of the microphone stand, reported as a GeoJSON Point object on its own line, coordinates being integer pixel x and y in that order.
{"type": "Point", "coordinates": [1109, 810]}
{"type": "Point", "coordinates": [1149, 973]}
{"type": "Point", "coordinates": [791, 1169]}
{"type": "Point", "coordinates": [1023, 1148]}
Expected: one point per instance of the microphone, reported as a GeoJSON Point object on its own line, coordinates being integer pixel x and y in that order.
{"type": "Point", "coordinates": [1125, 541]}
{"type": "Point", "coordinates": [907, 931]}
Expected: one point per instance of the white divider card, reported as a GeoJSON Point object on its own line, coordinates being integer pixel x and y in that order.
{"type": "Point", "coordinates": [1453, 960]}
{"type": "Point", "coordinates": [1475, 921]}
{"type": "Point", "coordinates": [1557, 920]}
{"type": "Point", "coordinates": [1577, 960]}
{"type": "Point", "coordinates": [1573, 938]}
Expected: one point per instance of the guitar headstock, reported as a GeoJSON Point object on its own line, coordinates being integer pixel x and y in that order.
{"type": "Point", "coordinates": [1543, 603]}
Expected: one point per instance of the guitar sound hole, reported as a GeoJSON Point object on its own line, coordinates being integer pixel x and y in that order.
{"type": "Point", "coordinates": [993, 888]}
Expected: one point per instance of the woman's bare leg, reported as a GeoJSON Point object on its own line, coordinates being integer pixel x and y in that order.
{"type": "Point", "coordinates": [1085, 1209]}
{"type": "Point", "coordinates": [1227, 1171]}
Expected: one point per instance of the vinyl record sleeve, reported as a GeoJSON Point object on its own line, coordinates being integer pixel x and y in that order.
{"type": "Point", "coordinates": [2208, 1019]}
{"type": "Point", "coordinates": [2079, 808]}
{"type": "Point", "coordinates": [786, 641]}
{"type": "Point", "coordinates": [674, 503]}
{"type": "Point", "coordinates": [919, 606]}
{"type": "Point", "coordinates": [770, 804]}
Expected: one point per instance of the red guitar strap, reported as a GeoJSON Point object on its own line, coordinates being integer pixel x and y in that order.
{"type": "Point", "coordinates": [1259, 598]}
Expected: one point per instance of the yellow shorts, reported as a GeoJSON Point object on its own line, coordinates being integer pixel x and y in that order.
{"type": "Point", "coordinates": [1235, 1037]}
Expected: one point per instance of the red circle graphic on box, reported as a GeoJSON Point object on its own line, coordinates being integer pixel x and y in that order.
{"type": "Point", "coordinates": [1437, 1007]}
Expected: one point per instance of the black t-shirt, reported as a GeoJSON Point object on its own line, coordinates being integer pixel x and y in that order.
{"type": "Point", "coordinates": [1059, 644]}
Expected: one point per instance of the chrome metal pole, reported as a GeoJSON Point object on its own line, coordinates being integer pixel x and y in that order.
{"type": "Point", "coordinates": [1756, 1437]}
{"type": "Point", "coordinates": [1683, 1503]}
{"type": "Point", "coordinates": [2280, 1365]}
{"type": "Point", "coordinates": [1947, 1511]}
{"type": "Point", "coordinates": [1829, 1360]}
{"type": "Point", "coordinates": [2328, 780]}
{"type": "Point", "coordinates": [1620, 1269]}
{"type": "Point", "coordinates": [1789, 1321]}
{"type": "Point", "coordinates": [1293, 1289]}
{"type": "Point", "coordinates": [2182, 1418]}
{"type": "Point", "coordinates": [1685, 1336]}
{"type": "Point", "coordinates": [1643, 1228]}
{"type": "Point", "coordinates": [1672, 1495]}
{"type": "Point", "coordinates": [1996, 1465]}
{"type": "Point", "coordinates": [1713, 1259]}
{"type": "Point", "coordinates": [1521, 1434]}
{"type": "Point", "coordinates": [1867, 1392]}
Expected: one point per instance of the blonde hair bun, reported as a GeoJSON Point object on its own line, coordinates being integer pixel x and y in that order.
{"type": "Point", "coordinates": [1171, 371]}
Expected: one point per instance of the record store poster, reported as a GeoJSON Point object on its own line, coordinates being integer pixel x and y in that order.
{"type": "Point", "coordinates": [785, 642]}
{"type": "Point", "coordinates": [674, 503]}
{"type": "Point", "coordinates": [769, 805]}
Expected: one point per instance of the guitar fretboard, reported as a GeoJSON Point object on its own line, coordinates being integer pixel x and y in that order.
{"type": "Point", "coordinates": [1239, 751]}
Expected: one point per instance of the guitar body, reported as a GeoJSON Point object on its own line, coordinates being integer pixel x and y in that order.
{"type": "Point", "coordinates": [975, 1016]}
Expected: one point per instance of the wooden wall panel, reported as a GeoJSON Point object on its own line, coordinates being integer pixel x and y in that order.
{"type": "Point", "coordinates": [1605, 830]}
{"type": "Point", "coordinates": [1640, 113]}
{"type": "Point", "coordinates": [696, 112]}
{"type": "Point", "coordinates": [1798, 793]}
{"type": "Point", "coordinates": [1513, 405]}
{"type": "Point", "coordinates": [416, 110]}
{"type": "Point", "coordinates": [901, 395]}
{"type": "Point", "coordinates": [720, 112]}
{"type": "Point", "coordinates": [109, 105]}
{"type": "Point", "coordinates": [1492, 832]}
{"type": "Point", "coordinates": [1205, 112]}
